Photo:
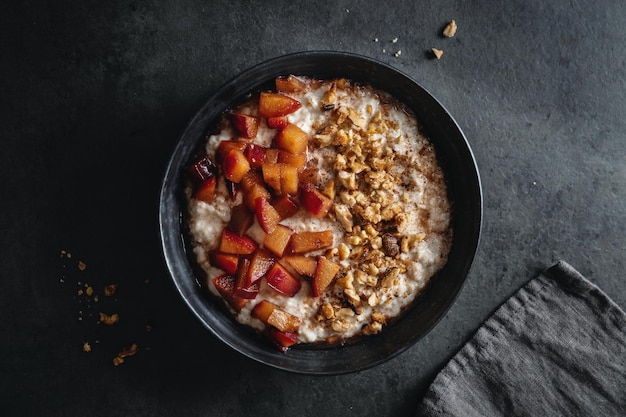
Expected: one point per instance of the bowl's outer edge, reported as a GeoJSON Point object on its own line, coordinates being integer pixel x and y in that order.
{"type": "Point", "coordinates": [455, 155]}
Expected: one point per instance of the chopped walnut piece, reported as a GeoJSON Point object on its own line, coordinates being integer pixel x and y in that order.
{"type": "Point", "coordinates": [341, 326]}
{"type": "Point", "coordinates": [328, 311]}
{"type": "Point", "coordinates": [372, 300]}
{"type": "Point", "coordinates": [330, 190]}
{"type": "Point", "coordinates": [82, 266]}
{"type": "Point", "coordinates": [402, 222]}
{"type": "Point", "coordinates": [346, 281]}
{"type": "Point", "coordinates": [373, 328]}
{"type": "Point", "coordinates": [345, 313]}
{"type": "Point", "coordinates": [352, 296]}
{"type": "Point", "coordinates": [391, 279]}
{"type": "Point", "coordinates": [109, 320]}
{"type": "Point", "coordinates": [376, 316]}
{"type": "Point", "coordinates": [450, 29]}
{"type": "Point", "coordinates": [344, 251]}
{"type": "Point", "coordinates": [348, 179]}
{"type": "Point", "coordinates": [330, 97]}
{"type": "Point", "coordinates": [117, 361]}
{"type": "Point", "coordinates": [86, 347]}
{"type": "Point", "coordinates": [344, 216]}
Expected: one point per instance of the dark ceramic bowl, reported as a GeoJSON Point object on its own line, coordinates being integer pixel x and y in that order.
{"type": "Point", "coordinates": [455, 157]}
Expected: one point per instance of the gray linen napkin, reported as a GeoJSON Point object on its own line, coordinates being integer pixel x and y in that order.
{"type": "Point", "coordinates": [556, 348]}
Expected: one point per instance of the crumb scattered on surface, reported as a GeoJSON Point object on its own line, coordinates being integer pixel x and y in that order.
{"type": "Point", "coordinates": [394, 40]}
{"type": "Point", "coordinates": [109, 290]}
{"type": "Point", "coordinates": [437, 53]}
{"type": "Point", "coordinates": [398, 53]}
{"type": "Point", "coordinates": [86, 293]}
{"type": "Point", "coordinates": [450, 29]}
{"type": "Point", "coordinates": [125, 352]}
{"type": "Point", "coordinates": [109, 320]}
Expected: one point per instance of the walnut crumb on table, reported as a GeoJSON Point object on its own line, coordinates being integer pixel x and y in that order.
{"type": "Point", "coordinates": [109, 290]}
{"type": "Point", "coordinates": [437, 53]}
{"type": "Point", "coordinates": [450, 29]}
{"type": "Point", "coordinates": [109, 320]}
{"type": "Point", "coordinates": [127, 351]}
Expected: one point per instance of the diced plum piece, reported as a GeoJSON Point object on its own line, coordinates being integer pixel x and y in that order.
{"type": "Point", "coordinates": [225, 285]}
{"type": "Point", "coordinates": [251, 179]}
{"type": "Point", "coordinates": [314, 201]}
{"type": "Point", "coordinates": [253, 187]}
{"type": "Point", "coordinates": [271, 156]}
{"type": "Point", "coordinates": [299, 160]}
{"type": "Point", "coordinates": [260, 262]}
{"type": "Point", "coordinates": [278, 122]}
{"type": "Point", "coordinates": [304, 242]}
{"type": "Point", "coordinates": [232, 189]}
{"type": "Point", "coordinates": [246, 126]}
{"type": "Point", "coordinates": [310, 175]}
{"type": "Point", "coordinates": [225, 261]}
{"type": "Point", "coordinates": [206, 191]}
{"type": "Point", "coordinates": [255, 154]}
{"type": "Point", "coordinates": [250, 197]}
{"type": "Point", "coordinates": [303, 265]}
{"type": "Point", "coordinates": [277, 241]}
{"type": "Point", "coordinates": [240, 220]}
{"type": "Point", "coordinates": [276, 104]}
{"type": "Point", "coordinates": [266, 215]}
{"type": "Point", "coordinates": [225, 146]}
{"type": "Point", "coordinates": [271, 176]}
{"type": "Point", "coordinates": [285, 206]}
{"type": "Point", "coordinates": [232, 243]}
{"type": "Point", "coordinates": [282, 280]}
{"type": "Point", "coordinates": [288, 179]}
{"type": "Point", "coordinates": [283, 178]}
{"type": "Point", "coordinates": [202, 169]}
{"type": "Point", "coordinates": [235, 166]}
{"type": "Point", "coordinates": [272, 315]}
{"type": "Point", "coordinates": [329, 189]}
{"type": "Point", "coordinates": [282, 340]}
{"type": "Point", "coordinates": [324, 274]}
{"type": "Point", "coordinates": [242, 289]}
{"type": "Point", "coordinates": [292, 139]}
{"type": "Point", "coordinates": [289, 84]}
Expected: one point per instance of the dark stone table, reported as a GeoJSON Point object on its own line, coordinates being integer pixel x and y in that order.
{"type": "Point", "coordinates": [95, 95]}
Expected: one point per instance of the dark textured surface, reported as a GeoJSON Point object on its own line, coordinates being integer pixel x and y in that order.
{"type": "Point", "coordinates": [95, 95]}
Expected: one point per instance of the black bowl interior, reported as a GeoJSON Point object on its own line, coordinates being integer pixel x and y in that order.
{"type": "Point", "coordinates": [458, 163]}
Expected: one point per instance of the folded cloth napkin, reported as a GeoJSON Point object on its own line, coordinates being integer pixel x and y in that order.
{"type": "Point", "coordinates": [556, 348]}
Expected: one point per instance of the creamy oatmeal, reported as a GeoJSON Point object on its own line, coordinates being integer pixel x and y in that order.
{"type": "Point", "coordinates": [319, 211]}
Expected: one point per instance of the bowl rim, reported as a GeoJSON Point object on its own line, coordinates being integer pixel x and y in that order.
{"type": "Point", "coordinates": [173, 244]}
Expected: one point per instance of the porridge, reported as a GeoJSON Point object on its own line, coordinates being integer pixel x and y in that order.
{"type": "Point", "coordinates": [318, 211]}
